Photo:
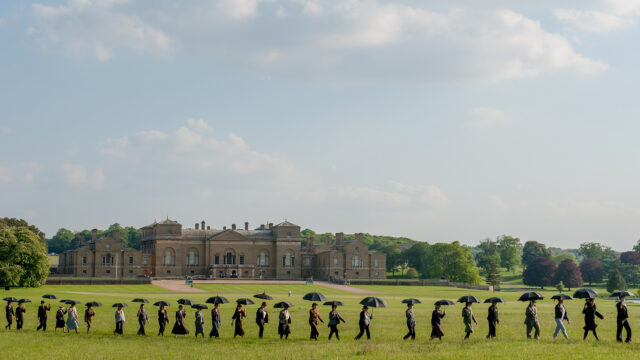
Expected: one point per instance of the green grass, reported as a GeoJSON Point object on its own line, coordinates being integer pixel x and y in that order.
{"type": "Point", "coordinates": [388, 327]}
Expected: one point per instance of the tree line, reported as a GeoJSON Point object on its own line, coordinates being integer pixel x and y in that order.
{"type": "Point", "coordinates": [65, 239]}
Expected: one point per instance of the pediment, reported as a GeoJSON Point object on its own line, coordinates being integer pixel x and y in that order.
{"type": "Point", "coordinates": [229, 235]}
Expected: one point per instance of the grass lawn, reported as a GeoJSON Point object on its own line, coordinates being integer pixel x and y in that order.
{"type": "Point", "coordinates": [387, 328]}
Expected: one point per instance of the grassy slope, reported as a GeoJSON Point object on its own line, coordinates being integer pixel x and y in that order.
{"type": "Point", "coordinates": [387, 329]}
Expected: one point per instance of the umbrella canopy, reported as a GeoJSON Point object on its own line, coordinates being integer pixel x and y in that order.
{"type": "Point", "coordinates": [24, 301]}
{"type": "Point", "coordinates": [494, 300]}
{"type": "Point", "coordinates": [621, 293]}
{"type": "Point", "coordinates": [217, 300]}
{"type": "Point", "coordinates": [72, 302]}
{"type": "Point", "coordinates": [64, 300]}
{"type": "Point", "coordinates": [199, 306]}
{"type": "Point", "coordinates": [263, 296]}
{"type": "Point", "coordinates": [144, 301]}
{"type": "Point", "coordinates": [469, 299]}
{"type": "Point", "coordinates": [373, 301]}
{"type": "Point", "coordinates": [162, 303]}
{"type": "Point", "coordinates": [585, 293]}
{"type": "Point", "coordinates": [119, 305]}
{"type": "Point", "coordinates": [334, 302]}
{"type": "Point", "coordinates": [531, 295]}
{"type": "Point", "coordinates": [12, 299]}
{"type": "Point", "coordinates": [185, 302]}
{"type": "Point", "coordinates": [283, 304]}
{"type": "Point", "coordinates": [411, 301]}
{"type": "Point", "coordinates": [314, 296]}
{"type": "Point", "coordinates": [93, 303]}
{"type": "Point", "coordinates": [561, 297]}
{"type": "Point", "coordinates": [49, 296]}
{"type": "Point", "coordinates": [444, 302]}
{"type": "Point", "coordinates": [244, 301]}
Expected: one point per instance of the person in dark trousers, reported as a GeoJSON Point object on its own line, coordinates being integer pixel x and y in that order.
{"type": "Point", "coordinates": [411, 323]}
{"type": "Point", "coordinates": [467, 318]}
{"type": "Point", "coordinates": [20, 310]}
{"type": "Point", "coordinates": [199, 317]}
{"type": "Point", "coordinates": [163, 320]}
{"type": "Point", "coordinates": [237, 317]}
{"type": "Point", "coordinates": [284, 328]}
{"type": "Point", "coordinates": [365, 321]}
{"type": "Point", "coordinates": [622, 321]}
{"type": "Point", "coordinates": [436, 328]}
{"type": "Point", "coordinates": [262, 317]}
{"type": "Point", "coordinates": [531, 320]}
{"type": "Point", "coordinates": [9, 314]}
{"type": "Point", "coordinates": [89, 313]}
{"type": "Point", "coordinates": [561, 315]}
{"type": "Point", "coordinates": [590, 314]}
{"type": "Point", "coordinates": [60, 323]}
{"type": "Point", "coordinates": [143, 319]}
{"type": "Point", "coordinates": [314, 316]}
{"type": "Point", "coordinates": [178, 327]}
{"type": "Point", "coordinates": [334, 321]}
{"type": "Point", "coordinates": [120, 319]}
{"type": "Point", "coordinates": [492, 317]}
{"type": "Point", "coordinates": [42, 316]}
{"type": "Point", "coordinates": [216, 321]}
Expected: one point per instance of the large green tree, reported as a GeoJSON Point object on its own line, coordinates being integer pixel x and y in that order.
{"type": "Point", "coordinates": [532, 250]}
{"type": "Point", "coordinates": [539, 272]}
{"type": "Point", "coordinates": [487, 254]}
{"type": "Point", "coordinates": [568, 273]}
{"type": "Point", "coordinates": [23, 257]}
{"type": "Point", "coordinates": [13, 222]}
{"type": "Point", "coordinates": [61, 241]}
{"type": "Point", "coordinates": [615, 281]}
{"type": "Point", "coordinates": [452, 262]}
{"type": "Point", "coordinates": [509, 249]}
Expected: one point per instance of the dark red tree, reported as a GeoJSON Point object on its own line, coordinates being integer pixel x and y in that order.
{"type": "Point", "coordinates": [569, 273]}
{"type": "Point", "coordinates": [591, 270]}
{"type": "Point", "coordinates": [539, 272]}
{"type": "Point", "coordinates": [630, 257]}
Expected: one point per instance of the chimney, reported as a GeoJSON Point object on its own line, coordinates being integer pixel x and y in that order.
{"type": "Point", "coordinates": [262, 227]}
{"type": "Point", "coordinates": [233, 226]}
{"type": "Point", "coordinates": [327, 240]}
{"type": "Point", "coordinates": [270, 225]}
{"type": "Point", "coordinates": [208, 227]}
{"type": "Point", "coordinates": [224, 228]}
{"type": "Point", "coordinates": [339, 239]}
{"type": "Point", "coordinates": [358, 236]}
{"type": "Point", "coordinates": [202, 225]}
{"type": "Point", "coordinates": [310, 240]}
{"type": "Point", "coordinates": [81, 238]}
{"type": "Point", "coordinates": [246, 225]}
{"type": "Point", "coordinates": [116, 234]}
{"type": "Point", "coordinates": [197, 226]}
{"type": "Point", "coordinates": [94, 234]}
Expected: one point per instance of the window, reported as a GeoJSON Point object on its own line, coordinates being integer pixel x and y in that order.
{"type": "Point", "coordinates": [246, 272]}
{"type": "Point", "coordinates": [335, 273]}
{"type": "Point", "coordinates": [356, 262]}
{"type": "Point", "coordinates": [192, 258]}
{"type": "Point", "coordinates": [357, 250]}
{"type": "Point", "coordinates": [84, 261]}
{"type": "Point", "coordinates": [84, 271]}
{"type": "Point", "coordinates": [288, 259]}
{"type": "Point", "coordinates": [375, 261]}
{"type": "Point", "coordinates": [335, 261]}
{"type": "Point", "coordinates": [108, 246]}
{"type": "Point", "coordinates": [376, 274]}
{"type": "Point", "coordinates": [307, 261]}
{"type": "Point", "coordinates": [169, 232]}
{"type": "Point", "coordinates": [144, 260]}
{"type": "Point", "coordinates": [107, 260]}
{"type": "Point", "coordinates": [288, 234]}
{"type": "Point", "coordinates": [357, 273]}
{"type": "Point", "coordinates": [241, 260]}
{"type": "Point", "coordinates": [229, 258]}
{"type": "Point", "coordinates": [108, 271]}
{"type": "Point", "coordinates": [130, 260]}
{"type": "Point", "coordinates": [130, 271]}
{"type": "Point", "coordinates": [169, 258]}
{"type": "Point", "coordinates": [168, 271]}
{"type": "Point", "coordinates": [193, 272]}
{"type": "Point", "coordinates": [263, 259]}
{"type": "Point", "coordinates": [216, 259]}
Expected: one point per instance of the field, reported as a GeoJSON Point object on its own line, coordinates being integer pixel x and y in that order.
{"type": "Point", "coordinates": [387, 328]}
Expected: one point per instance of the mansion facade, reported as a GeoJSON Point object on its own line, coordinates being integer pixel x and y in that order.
{"type": "Point", "coordinates": [267, 252]}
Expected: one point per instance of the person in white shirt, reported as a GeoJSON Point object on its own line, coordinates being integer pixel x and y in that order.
{"type": "Point", "coordinates": [120, 319]}
{"type": "Point", "coordinates": [283, 326]}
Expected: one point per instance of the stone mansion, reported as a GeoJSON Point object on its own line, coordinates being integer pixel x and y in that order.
{"type": "Point", "coordinates": [267, 252]}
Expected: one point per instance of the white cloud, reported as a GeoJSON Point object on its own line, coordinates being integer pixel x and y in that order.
{"type": "Point", "coordinates": [591, 20]}
{"type": "Point", "coordinates": [484, 117]}
{"type": "Point", "coordinates": [150, 136]}
{"type": "Point", "coordinates": [198, 124]}
{"type": "Point", "coordinates": [239, 9]}
{"type": "Point", "coordinates": [115, 146]}
{"type": "Point", "coordinates": [396, 194]}
{"type": "Point", "coordinates": [623, 7]}
{"type": "Point", "coordinates": [5, 174]}
{"type": "Point", "coordinates": [31, 170]}
{"type": "Point", "coordinates": [76, 175]}
{"type": "Point", "coordinates": [5, 130]}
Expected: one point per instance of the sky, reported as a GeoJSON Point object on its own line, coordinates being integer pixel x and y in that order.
{"type": "Point", "coordinates": [439, 120]}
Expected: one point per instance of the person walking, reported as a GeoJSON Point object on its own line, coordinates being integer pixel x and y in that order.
{"type": "Point", "coordinates": [9, 315]}
{"type": "Point", "coordinates": [178, 327]}
{"type": "Point", "coordinates": [143, 319]}
{"type": "Point", "coordinates": [436, 328]}
{"type": "Point", "coordinates": [561, 315]}
{"type": "Point", "coordinates": [42, 315]}
{"type": "Point", "coordinates": [493, 319]}
{"type": "Point", "coordinates": [262, 317]}
{"type": "Point", "coordinates": [89, 313]}
{"type": "Point", "coordinates": [314, 316]}
{"type": "Point", "coordinates": [531, 320]}
{"type": "Point", "coordinates": [72, 319]}
{"type": "Point", "coordinates": [284, 318]}
{"type": "Point", "coordinates": [163, 320]}
{"type": "Point", "coordinates": [622, 321]}
{"type": "Point", "coordinates": [120, 319]}
{"type": "Point", "coordinates": [20, 310]}
{"type": "Point", "coordinates": [215, 321]}
{"type": "Point", "coordinates": [411, 323]}
{"type": "Point", "coordinates": [334, 321]}
{"type": "Point", "coordinates": [467, 319]}
{"type": "Point", "coordinates": [237, 317]}
{"type": "Point", "coordinates": [364, 322]}
{"type": "Point", "coordinates": [60, 324]}
{"type": "Point", "coordinates": [199, 322]}
{"type": "Point", "coordinates": [590, 312]}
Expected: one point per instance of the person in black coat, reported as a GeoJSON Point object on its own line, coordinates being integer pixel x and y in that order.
{"type": "Point", "coordinates": [436, 328]}
{"type": "Point", "coordinates": [42, 316]}
{"type": "Point", "coordinates": [60, 323]}
{"type": "Point", "coordinates": [622, 320]}
{"type": "Point", "coordinates": [9, 314]}
{"type": "Point", "coordinates": [163, 319]}
{"type": "Point", "coordinates": [178, 326]}
{"type": "Point", "coordinates": [492, 317]}
{"type": "Point", "coordinates": [237, 317]}
{"type": "Point", "coordinates": [262, 317]}
{"type": "Point", "coordinates": [365, 321]}
{"type": "Point", "coordinates": [590, 314]}
{"type": "Point", "coordinates": [216, 321]}
{"type": "Point", "coordinates": [20, 310]}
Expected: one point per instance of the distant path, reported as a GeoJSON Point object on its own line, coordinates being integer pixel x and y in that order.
{"type": "Point", "coordinates": [514, 287]}
{"type": "Point", "coordinates": [176, 286]}
{"type": "Point", "coordinates": [345, 288]}
{"type": "Point", "coordinates": [180, 286]}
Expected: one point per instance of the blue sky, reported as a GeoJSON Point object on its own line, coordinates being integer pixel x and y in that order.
{"type": "Point", "coordinates": [436, 120]}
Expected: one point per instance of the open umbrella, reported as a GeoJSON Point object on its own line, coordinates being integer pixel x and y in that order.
{"type": "Point", "coordinates": [49, 296]}
{"type": "Point", "coordinates": [199, 306]}
{"type": "Point", "coordinates": [561, 297]}
{"type": "Point", "coordinates": [217, 300]}
{"type": "Point", "coordinates": [185, 302]}
{"type": "Point", "coordinates": [162, 303]}
{"type": "Point", "coordinates": [621, 293]}
{"type": "Point", "coordinates": [444, 302]}
{"type": "Point", "coordinates": [12, 299]}
{"type": "Point", "coordinates": [245, 301]}
{"type": "Point", "coordinates": [24, 301]}
{"type": "Point", "coordinates": [531, 295]}
{"type": "Point", "coordinates": [283, 304]}
{"type": "Point", "coordinates": [492, 300]}
{"type": "Point", "coordinates": [144, 301]}
{"type": "Point", "coordinates": [93, 303]}
{"type": "Point", "coordinates": [469, 299]}
{"type": "Point", "coordinates": [314, 296]}
{"type": "Point", "coordinates": [373, 301]}
{"type": "Point", "coordinates": [333, 302]}
{"type": "Point", "coordinates": [119, 305]}
{"type": "Point", "coordinates": [585, 293]}
{"type": "Point", "coordinates": [72, 302]}
{"type": "Point", "coordinates": [263, 296]}
{"type": "Point", "coordinates": [411, 301]}
{"type": "Point", "coordinates": [64, 300]}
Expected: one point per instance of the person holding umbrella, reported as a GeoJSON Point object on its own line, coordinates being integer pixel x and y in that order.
{"type": "Point", "coordinates": [314, 316]}
{"type": "Point", "coordinates": [411, 322]}
{"type": "Point", "coordinates": [120, 319]}
{"type": "Point", "coordinates": [89, 313]}
{"type": "Point", "coordinates": [364, 322]}
{"type": "Point", "coordinates": [467, 318]}
{"type": "Point", "coordinates": [178, 327]}
{"type": "Point", "coordinates": [622, 319]}
{"type": "Point", "coordinates": [493, 319]}
{"type": "Point", "coordinates": [199, 321]}
{"type": "Point", "coordinates": [590, 314]}
{"type": "Point", "coordinates": [72, 318]}
{"type": "Point", "coordinates": [531, 320]}
{"type": "Point", "coordinates": [262, 317]}
{"type": "Point", "coordinates": [436, 318]}
{"type": "Point", "coordinates": [60, 319]}
{"type": "Point", "coordinates": [42, 315]}
{"type": "Point", "coordinates": [215, 321]}
{"type": "Point", "coordinates": [334, 321]}
{"type": "Point", "coordinates": [9, 314]}
{"type": "Point", "coordinates": [20, 310]}
{"type": "Point", "coordinates": [237, 317]}
{"type": "Point", "coordinates": [163, 319]}
{"type": "Point", "coordinates": [284, 320]}
{"type": "Point", "coordinates": [561, 315]}
{"type": "Point", "coordinates": [143, 319]}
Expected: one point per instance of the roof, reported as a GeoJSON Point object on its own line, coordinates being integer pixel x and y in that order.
{"type": "Point", "coordinates": [167, 221]}
{"type": "Point", "coordinates": [287, 223]}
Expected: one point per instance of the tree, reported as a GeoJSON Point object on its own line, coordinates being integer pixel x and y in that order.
{"type": "Point", "coordinates": [630, 257]}
{"type": "Point", "coordinates": [568, 273]}
{"type": "Point", "coordinates": [539, 272]}
{"type": "Point", "coordinates": [564, 256]}
{"type": "Point", "coordinates": [560, 286]}
{"type": "Point", "coordinates": [509, 249]}
{"type": "Point", "coordinates": [417, 256]}
{"type": "Point", "coordinates": [61, 241]}
{"type": "Point", "coordinates": [636, 247]}
{"type": "Point", "coordinates": [591, 270]}
{"type": "Point", "coordinates": [592, 250]}
{"type": "Point", "coordinates": [492, 273]}
{"type": "Point", "coordinates": [630, 273]}
{"type": "Point", "coordinates": [393, 255]}
{"type": "Point", "coordinates": [412, 273]}
{"type": "Point", "coordinates": [533, 250]}
{"type": "Point", "coordinates": [615, 281]}
{"type": "Point", "coordinates": [452, 262]}
{"type": "Point", "coordinates": [12, 222]}
{"type": "Point", "coordinates": [23, 257]}
{"type": "Point", "coordinates": [488, 251]}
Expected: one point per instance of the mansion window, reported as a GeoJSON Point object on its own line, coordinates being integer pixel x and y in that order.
{"type": "Point", "coordinates": [263, 259]}
{"type": "Point", "coordinates": [192, 258]}
{"type": "Point", "coordinates": [288, 259]}
{"type": "Point", "coordinates": [356, 262]}
{"type": "Point", "coordinates": [107, 259]}
{"type": "Point", "coordinates": [307, 261]}
{"type": "Point", "coordinates": [229, 258]}
{"type": "Point", "coordinates": [216, 260]}
{"type": "Point", "coordinates": [108, 246]}
{"type": "Point", "coordinates": [144, 260]}
{"type": "Point", "coordinates": [130, 260]}
{"type": "Point", "coordinates": [335, 261]}
{"type": "Point", "coordinates": [241, 260]}
{"type": "Point", "coordinates": [375, 261]}
{"type": "Point", "coordinates": [84, 261]}
{"type": "Point", "coordinates": [288, 234]}
{"type": "Point", "coordinates": [169, 258]}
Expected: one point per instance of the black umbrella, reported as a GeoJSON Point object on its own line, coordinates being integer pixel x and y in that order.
{"type": "Point", "coordinates": [444, 302]}
{"type": "Point", "coordinates": [621, 293]}
{"type": "Point", "coordinates": [263, 296]}
{"type": "Point", "coordinates": [283, 304]}
{"type": "Point", "coordinates": [334, 302]}
{"type": "Point", "coordinates": [373, 301]}
{"type": "Point", "coordinates": [561, 297]}
{"type": "Point", "coordinates": [145, 301]}
{"type": "Point", "coordinates": [119, 305]}
{"type": "Point", "coordinates": [199, 306]}
{"type": "Point", "coordinates": [411, 301]}
{"type": "Point", "coordinates": [64, 300]}
{"type": "Point", "coordinates": [162, 303]}
{"type": "Point", "coordinates": [93, 303]}
{"type": "Point", "coordinates": [217, 300]}
{"type": "Point", "coordinates": [24, 301]}
{"type": "Point", "coordinates": [49, 296]}
{"type": "Point", "coordinates": [185, 302]}
{"type": "Point", "coordinates": [585, 293]}
{"type": "Point", "coordinates": [314, 296]}
{"type": "Point", "coordinates": [72, 302]}
{"type": "Point", "coordinates": [469, 299]}
{"type": "Point", "coordinates": [531, 295]}
{"type": "Point", "coordinates": [494, 300]}
{"type": "Point", "coordinates": [245, 301]}
{"type": "Point", "coordinates": [12, 299]}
